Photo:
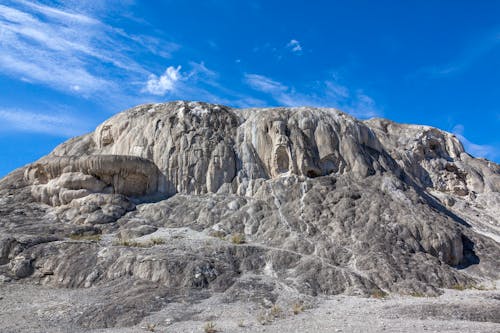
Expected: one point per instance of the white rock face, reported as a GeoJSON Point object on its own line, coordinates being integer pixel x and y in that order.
{"type": "Point", "coordinates": [307, 198]}
{"type": "Point", "coordinates": [199, 152]}
{"type": "Point", "coordinates": [60, 180]}
{"type": "Point", "coordinates": [202, 148]}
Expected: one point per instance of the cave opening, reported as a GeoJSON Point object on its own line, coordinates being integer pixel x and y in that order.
{"type": "Point", "coordinates": [282, 160]}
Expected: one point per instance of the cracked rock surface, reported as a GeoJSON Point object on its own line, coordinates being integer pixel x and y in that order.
{"type": "Point", "coordinates": [186, 202]}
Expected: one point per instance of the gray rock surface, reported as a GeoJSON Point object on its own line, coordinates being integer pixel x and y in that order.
{"type": "Point", "coordinates": [181, 201]}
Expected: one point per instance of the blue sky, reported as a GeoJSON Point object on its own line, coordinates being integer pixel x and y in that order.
{"type": "Point", "coordinates": [66, 66]}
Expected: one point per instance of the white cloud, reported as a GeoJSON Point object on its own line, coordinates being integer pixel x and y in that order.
{"type": "Point", "coordinates": [55, 124]}
{"type": "Point", "coordinates": [486, 151]}
{"type": "Point", "coordinates": [328, 93]}
{"type": "Point", "coordinates": [294, 46]}
{"type": "Point", "coordinates": [165, 83]}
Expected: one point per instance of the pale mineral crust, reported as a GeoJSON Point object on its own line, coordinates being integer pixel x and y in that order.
{"type": "Point", "coordinates": [182, 200]}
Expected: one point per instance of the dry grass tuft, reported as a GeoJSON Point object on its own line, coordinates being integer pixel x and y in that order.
{"type": "Point", "coordinates": [150, 327]}
{"type": "Point", "coordinates": [237, 238]}
{"type": "Point", "coordinates": [459, 287]}
{"type": "Point", "coordinates": [379, 294]}
{"type": "Point", "coordinates": [157, 241]}
{"type": "Point", "coordinates": [218, 234]}
{"type": "Point", "coordinates": [276, 311]}
{"type": "Point", "coordinates": [297, 308]}
{"type": "Point", "coordinates": [210, 327]}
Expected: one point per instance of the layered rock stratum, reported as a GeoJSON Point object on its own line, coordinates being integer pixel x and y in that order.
{"type": "Point", "coordinates": [181, 201]}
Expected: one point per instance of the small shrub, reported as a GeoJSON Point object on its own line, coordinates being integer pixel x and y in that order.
{"type": "Point", "coordinates": [241, 323]}
{"type": "Point", "coordinates": [237, 238]}
{"type": "Point", "coordinates": [482, 287]}
{"type": "Point", "coordinates": [479, 287]}
{"type": "Point", "coordinates": [92, 238]}
{"type": "Point", "coordinates": [210, 327]}
{"type": "Point", "coordinates": [132, 243]}
{"type": "Point", "coordinates": [380, 294]}
{"type": "Point", "coordinates": [218, 234]}
{"type": "Point", "coordinates": [459, 287]}
{"type": "Point", "coordinates": [275, 311]}
{"type": "Point", "coordinates": [297, 308]}
{"type": "Point", "coordinates": [264, 318]}
{"type": "Point", "coordinates": [268, 316]}
{"type": "Point", "coordinates": [157, 241]}
{"type": "Point", "coordinates": [150, 327]}
{"type": "Point", "coordinates": [128, 243]}
{"type": "Point", "coordinates": [417, 294]}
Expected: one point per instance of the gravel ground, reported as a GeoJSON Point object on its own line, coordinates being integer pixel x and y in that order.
{"type": "Point", "coordinates": [33, 308]}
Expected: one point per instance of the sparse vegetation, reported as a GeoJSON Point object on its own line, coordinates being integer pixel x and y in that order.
{"type": "Point", "coordinates": [459, 287]}
{"type": "Point", "coordinates": [128, 243]}
{"type": "Point", "coordinates": [275, 311]}
{"type": "Point", "coordinates": [237, 238]}
{"type": "Point", "coordinates": [210, 327]}
{"type": "Point", "coordinates": [241, 323]}
{"type": "Point", "coordinates": [480, 287]}
{"type": "Point", "coordinates": [157, 241]}
{"type": "Point", "coordinates": [218, 234]}
{"type": "Point", "coordinates": [380, 294]}
{"type": "Point", "coordinates": [268, 316]}
{"type": "Point", "coordinates": [462, 287]}
{"type": "Point", "coordinates": [297, 308]}
{"type": "Point", "coordinates": [132, 243]}
{"type": "Point", "coordinates": [264, 318]}
{"type": "Point", "coordinates": [92, 238]}
{"type": "Point", "coordinates": [150, 327]}
{"type": "Point", "coordinates": [417, 294]}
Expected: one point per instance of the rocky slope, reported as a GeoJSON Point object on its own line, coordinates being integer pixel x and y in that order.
{"type": "Point", "coordinates": [184, 200]}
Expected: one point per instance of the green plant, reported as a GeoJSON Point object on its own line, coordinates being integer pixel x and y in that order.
{"type": "Point", "coordinates": [209, 327]}
{"type": "Point", "coordinates": [237, 238]}
{"type": "Point", "coordinates": [92, 238]}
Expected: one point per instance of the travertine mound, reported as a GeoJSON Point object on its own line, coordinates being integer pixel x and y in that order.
{"type": "Point", "coordinates": [188, 198]}
{"type": "Point", "coordinates": [60, 180]}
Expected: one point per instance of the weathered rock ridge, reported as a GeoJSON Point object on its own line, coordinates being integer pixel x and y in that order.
{"type": "Point", "coordinates": [186, 197]}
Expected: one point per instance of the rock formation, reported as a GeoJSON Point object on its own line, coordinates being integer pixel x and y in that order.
{"type": "Point", "coordinates": [187, 198]}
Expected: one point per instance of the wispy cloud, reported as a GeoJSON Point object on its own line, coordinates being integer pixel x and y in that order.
{"type": "Point", "coordinates": [69, 51]}
{"type": "Point", "coordinates": [197, 82]}
{"type": "Point", "coordinates": [55, 124]}
{"type": "Point", "coordinates": [328, 93]}
{"type": "Point", "coordinates": [469, 56]}
{"type": "Point", "coordinates": [294, 46]}
{"type": "Point", "coordinates": [486, 151]}
{"type": "Point", "coordinates": [265, 84]}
